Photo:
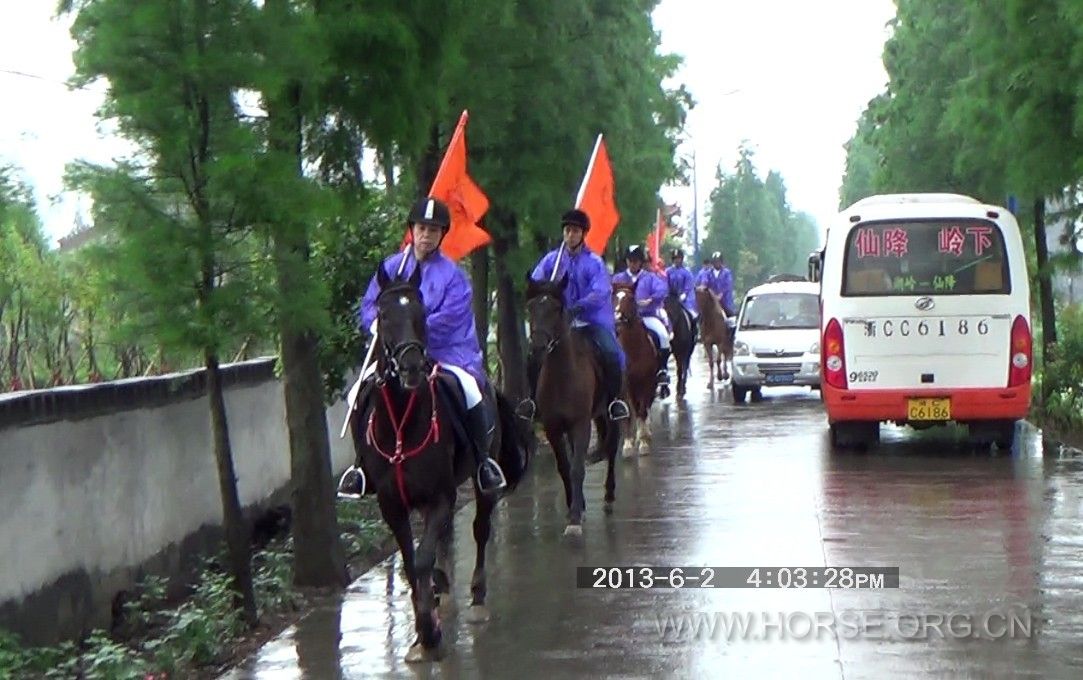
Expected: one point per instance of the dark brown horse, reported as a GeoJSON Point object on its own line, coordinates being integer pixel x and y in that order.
{"type": "Point", "coordinates": [642, 374]}
{"type": "Point", "coordinates": [570, 394]}
{"type": "Point", "coordinates": [683, 343]}
{"type": "Point", "coordinates": [405, 437]}
{"type": "Point", "coordinates": [715, 335]}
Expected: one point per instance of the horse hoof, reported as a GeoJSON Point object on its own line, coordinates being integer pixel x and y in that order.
{"type": "Point", "coordinates": [420, 654]}
{"type": "Point", "coordinates": [477, 613]}
{"type": "Point", "coordinates": [445, 605]}
{"type": "Point", "coordinates": [608, 508]}
{"type": "Point", "coordinates": [573, 530]}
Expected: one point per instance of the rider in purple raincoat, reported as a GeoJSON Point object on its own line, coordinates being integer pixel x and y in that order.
{"type": "Point", "coordinates": [718, 279]}
{"type": "Point", "coordinates": [681, 283]}
{"type": "Point", "coordinates": [589, 298]}
{"type": "Point", "coordinates": [451, 338]}
{"type": "Point", "coordinates": [651, 293]}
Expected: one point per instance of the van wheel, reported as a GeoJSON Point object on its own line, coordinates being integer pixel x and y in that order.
{"type": "Point", "coordinates": [739, 393]}
{"type": "Point", "coordinates": [856, 435]}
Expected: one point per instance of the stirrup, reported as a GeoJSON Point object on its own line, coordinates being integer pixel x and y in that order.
{"type": "Point", "coordinates": [352, 483]}
{"type": "Point", "coordinates": [618, 410]}
{"type": "Point", "coordinates": [526, 409]}
{"type": "Point", "coordinates": [663, 377]}
{"type": "Point", "coordinates": [494, 467]}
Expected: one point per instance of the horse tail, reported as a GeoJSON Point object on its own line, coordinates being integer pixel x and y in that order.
{"type": "Point", "coordinates": [515, 443]}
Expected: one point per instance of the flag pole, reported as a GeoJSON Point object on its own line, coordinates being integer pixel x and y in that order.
{"type": "Point", "coordinates": [351, 397]}
{"type": "Point", "coordinates": [579, 198]}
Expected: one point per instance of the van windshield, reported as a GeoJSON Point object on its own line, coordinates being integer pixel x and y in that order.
{"type": "Point", "coordinates": [781, 310]}
{"type": "Point", "coordinates": [940, 257]}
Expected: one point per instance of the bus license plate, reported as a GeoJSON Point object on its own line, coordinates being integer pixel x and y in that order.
{"type": "Point", "coordinates": [929, 409]}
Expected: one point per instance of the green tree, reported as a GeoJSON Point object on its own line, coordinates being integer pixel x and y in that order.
{"type": "Point", "coordinates": [179, 218]}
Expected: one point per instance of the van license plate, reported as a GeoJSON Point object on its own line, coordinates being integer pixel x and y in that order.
{"type": "Point", "coordinates": [779, 379]}
{"type": "Point", "coordinates": [928, 409]}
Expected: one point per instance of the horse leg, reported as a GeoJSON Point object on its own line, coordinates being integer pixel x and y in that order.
{"type": "Point", "coordinates": [427, 647]}
{"type": "Point", "coordinates": [580, 438]}
{"type": "Point", "coordinates": [708, 347]}
{"type": "Point", "coordinates": [631, 435]}
{"type": "Point", "coordinates": [483, 522]}
{"type": "Point", "coordinates": [608, 435]}
{"type": "Point", "coordinates": [682, 370]}
{"type": "Point", "coordinates": [560, 455]}
{"type": "Point", "coordinates": [397, 519]}
{"type": "Point", "coordinates": [442, 573]}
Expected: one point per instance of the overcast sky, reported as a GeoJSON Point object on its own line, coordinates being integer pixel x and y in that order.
{"type": "Point", "coordinates": [791, 76]}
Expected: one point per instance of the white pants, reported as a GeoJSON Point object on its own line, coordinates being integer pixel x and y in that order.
{"type": "Point", "coordinates": [469, 383]}
{"type": "Point", "coordinates": [655, 325]}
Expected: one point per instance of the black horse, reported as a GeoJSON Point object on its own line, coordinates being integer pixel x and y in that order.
{"type": "Point", "coordinates": [411, 444]}
{"type": "Point", "coordinates": [684, 340]}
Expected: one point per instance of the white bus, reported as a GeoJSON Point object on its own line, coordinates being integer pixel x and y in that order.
{"type": "Point", "coordinates": [925, 318]}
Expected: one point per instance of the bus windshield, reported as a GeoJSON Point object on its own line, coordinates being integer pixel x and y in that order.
{"type": "Point", "coordinates": [939, 257]}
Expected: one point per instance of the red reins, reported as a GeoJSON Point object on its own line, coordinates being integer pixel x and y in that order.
{"type": "Point", "coordinates": [399, 424]}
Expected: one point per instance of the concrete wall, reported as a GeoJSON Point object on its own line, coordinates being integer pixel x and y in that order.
{"type": "Point", "coordinates": [102, 484]}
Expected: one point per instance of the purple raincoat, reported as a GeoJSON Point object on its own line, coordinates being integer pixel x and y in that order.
{"type": "Point", "coordinates": [650, 288]}
{"type": "Point", "coordinates": [449, 315]}
{"type": "Point", "coordinates": [681, 283]}
{"type": "Point", "coordinates": [719, 282]}
{"type": "Point", "coordinates": [589, 295]}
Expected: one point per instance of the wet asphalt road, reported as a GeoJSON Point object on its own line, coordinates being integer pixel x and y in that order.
{"type": "Point", "coordinates": [989, 547]}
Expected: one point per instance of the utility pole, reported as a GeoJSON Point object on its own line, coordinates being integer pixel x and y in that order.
{"type": "Point", "coordinates": [695, 215]}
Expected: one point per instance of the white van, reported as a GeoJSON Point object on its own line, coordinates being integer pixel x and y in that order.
{"type": "Point", "coordinates": [925, 318]}
{"type": "Point", "coordinates": [777, 341]}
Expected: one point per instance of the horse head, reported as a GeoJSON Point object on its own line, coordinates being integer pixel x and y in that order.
{"type": "Point", "coordinates": [401, 313]}
{"type": "Point", "coordinates": [624, 303]}
{"type": "Point", "coordinates": [546, 314]}
{"type": "Point", "coordinates": [708, 303]}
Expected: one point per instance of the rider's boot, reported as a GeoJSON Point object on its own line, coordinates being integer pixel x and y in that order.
{"type": "Point", "coordinates": [618, 410]}
{"type": "Point", "coordinates": [490, 477]}
{"type": "Point", "coordinates": [663, 372]}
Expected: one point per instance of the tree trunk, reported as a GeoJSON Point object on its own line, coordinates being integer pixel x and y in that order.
{"type": "Point", "coordinates": [1045, 289]}
{"type": "Point", "coordinates": [480, 281]}
{"type": "Point", "coordinates": [509, 325]}
{"type": "Point", "coordinates": [240, 556]}
{"type": "Point", "coordinates": [319, 560]}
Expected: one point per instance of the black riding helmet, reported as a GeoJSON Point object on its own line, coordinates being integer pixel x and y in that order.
{"type": "Point", "coordinates": [716, 256]}
{"type": "Point", "coordinates": [675, 253]}
{"type": "Point", "coordinates": [635, 253]}
{"type": "Point", "coordinates": [430, 211]}
{"type": "Point", "coordinates": [575, 218]}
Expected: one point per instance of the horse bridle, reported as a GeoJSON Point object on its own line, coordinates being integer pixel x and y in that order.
{"type": "Point", "coordinates": [553, 342]}
{"type": "Point", "coordinates": [394, 355]}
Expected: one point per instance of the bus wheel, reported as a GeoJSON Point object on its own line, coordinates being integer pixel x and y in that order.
{"type": "Point", "coordinates": [858, 435]}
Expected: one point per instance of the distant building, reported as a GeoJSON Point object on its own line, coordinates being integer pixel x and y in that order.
{"type": "Point", "coordinates": [82, 234]}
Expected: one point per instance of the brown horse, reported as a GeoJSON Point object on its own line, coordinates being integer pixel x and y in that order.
{"type": "Point", "coordinates": [404, 433]}
{"type": "Point", "coordinates": [715, 335]}
{"type": "Point", "coordinates": [570, 394]}
{"type": "Point", "coordinates": [642, 371]}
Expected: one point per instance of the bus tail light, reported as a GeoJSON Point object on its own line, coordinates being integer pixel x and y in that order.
{"type": "Point", "coordinates": [1021, 353]}
{"type": "Point", "coordinates": [834, 355]}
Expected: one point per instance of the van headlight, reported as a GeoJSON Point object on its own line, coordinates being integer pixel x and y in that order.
{"type": "Point", "coordinates": [815, 349]}
{"type": "Point", "coordinates": [740, 349]}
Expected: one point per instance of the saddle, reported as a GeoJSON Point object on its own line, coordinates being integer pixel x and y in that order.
{"type": "Point", "coordinates": [450, 399]}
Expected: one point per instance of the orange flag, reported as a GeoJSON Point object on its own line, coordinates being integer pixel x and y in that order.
{"type": "Point", "coordinates": [596, 198]}
{"type": "Point", "coordinates": [654, 245]}
{"type": "Point", "coordinates": [466, 202]}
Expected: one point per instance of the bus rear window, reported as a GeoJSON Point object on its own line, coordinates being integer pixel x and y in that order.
{"type": "Point", "coordinates": [944, 257]}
